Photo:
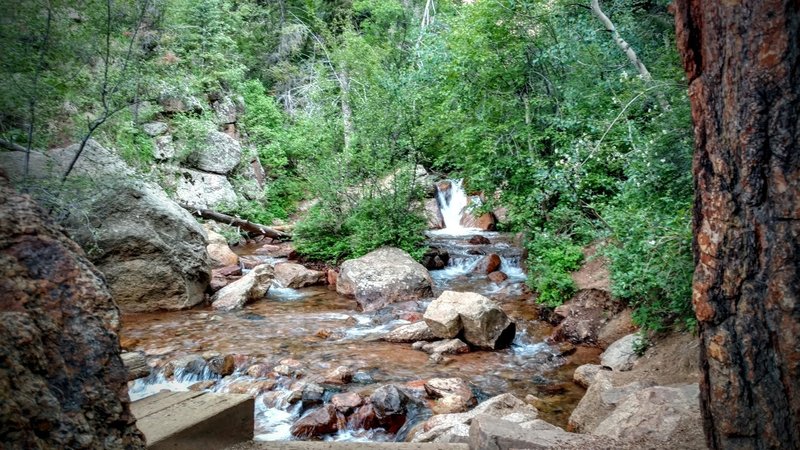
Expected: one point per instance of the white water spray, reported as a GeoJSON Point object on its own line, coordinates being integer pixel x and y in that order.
{"type": "Point", "coordinates": [452, 206]}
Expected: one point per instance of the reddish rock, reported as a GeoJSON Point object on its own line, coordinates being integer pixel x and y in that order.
{"type": "Point", "coordinates": [283, 250]}
{"type": "Point", "coordinates": [248, 262]}
{"type": "Point", "coordinates": [479, 240]}
{"type": "Point", "coordinates": [228, 271]}
{"type": "Point", "coordinates": [339, 375]}
{"type": "Point", "coordinates": [498, 276]}
{"type": "Point", "coordinates": [346, 402]}
{"type": "Point", "coordinates": [317, 423]}
{"type": "Point", "coordinates": [258, 370]}
{"type": "Point", "coordinates": [488, 264]}
{"type": "Point", "coordinates": [364, 418]}
{"type": "Point", "coordinates": [221, 365]}
{"type": "Point", "coordinates": [62, 379]}
{"type": "Point", "coordinates": [250, 387]}
{"type": "Point", "coordinates": [333, 276]}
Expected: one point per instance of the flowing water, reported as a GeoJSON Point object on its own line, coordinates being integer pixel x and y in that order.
{"type": "Point", "coordinates": [316, 330]}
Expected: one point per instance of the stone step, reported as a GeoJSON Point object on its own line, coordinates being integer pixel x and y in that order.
{"type": "Point", "coordinates": [318, 445]}
{"type": "Point", "coordinates": [194, 420]}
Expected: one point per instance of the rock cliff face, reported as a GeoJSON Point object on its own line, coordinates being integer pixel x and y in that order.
{"type": "Point", "coordinates": [62, 379]}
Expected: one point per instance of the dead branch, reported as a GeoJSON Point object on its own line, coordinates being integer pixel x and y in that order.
{"type": "Point", "coordinates": [246, 225]}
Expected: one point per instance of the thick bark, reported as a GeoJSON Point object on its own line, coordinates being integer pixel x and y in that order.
{"type": "Point", "coordinates": [742, 59]}
{"type": "Point", "coordinates": [250, 227]}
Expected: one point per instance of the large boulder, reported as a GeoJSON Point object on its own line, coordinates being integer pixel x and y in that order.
{"type": "Point", "coordinates": [582, 318]}
{"type": "Point", "coordinates": [203, 190]}
{"type": "Point", "coordinates": [63, 381]}
{"type": "Point", "coordinates": [384, 276]}
{"type": "Point", "coordinates": [433, 215]}
{"type": "Point", "coordinates": [483, 323]}
{"type": "Point", "coordinates": [296, 276]}
{"type": "Point", "coordinates": [220, 154]}
{"type": "Point", "coordinates": [658, 414]}
{"type": "Point", "coordinates": [152, 251]}
{"type": "Point", "coordinates": [603, 395]}
{"type": "Point", "coordinates": [252, 286]}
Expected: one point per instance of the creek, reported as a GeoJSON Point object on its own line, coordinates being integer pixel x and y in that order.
{"type": "Point", "coordinates": [315, 330]}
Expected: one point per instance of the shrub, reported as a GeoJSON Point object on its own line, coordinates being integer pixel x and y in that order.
{"type": "Point", "coordinates": [551, 259]}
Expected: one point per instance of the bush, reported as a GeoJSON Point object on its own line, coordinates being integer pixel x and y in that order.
{"type": "Point", "coordinates": [551, 260]}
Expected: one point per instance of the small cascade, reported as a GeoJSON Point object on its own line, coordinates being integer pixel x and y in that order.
{"type": "Point", "coordinates": [452, 202]}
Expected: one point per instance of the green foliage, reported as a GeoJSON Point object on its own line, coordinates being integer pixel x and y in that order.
{"type": "Point", "coordinates": [550, 261]}
{"type": "Point", "coordinates": [190, 133]}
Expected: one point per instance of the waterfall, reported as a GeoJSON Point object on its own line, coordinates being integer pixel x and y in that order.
{"type": "Point", "coordinates": [452, 203]}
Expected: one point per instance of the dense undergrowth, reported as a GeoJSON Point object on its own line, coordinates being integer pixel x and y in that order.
{"type": "Point", "coordinates": [530, 101]}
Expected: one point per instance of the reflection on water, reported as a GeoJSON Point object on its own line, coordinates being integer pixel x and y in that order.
{"type": "Point", "coordinates": [323, 330]}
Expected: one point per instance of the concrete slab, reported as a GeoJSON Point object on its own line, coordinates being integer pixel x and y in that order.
{"type": "Point", "coordinates": [194, 420]}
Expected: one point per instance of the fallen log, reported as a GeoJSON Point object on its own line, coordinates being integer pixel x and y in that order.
{"type": "Point", "coordinates": [246, 225]}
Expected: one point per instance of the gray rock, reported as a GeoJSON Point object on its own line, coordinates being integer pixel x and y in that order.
{"type": "Point", "coordinates": [584, 375]}
{"type": "Point", "coordinates": [220, 154]}
{"type": "Point", "coordinates": [63, 383]}
{"type": "Point", "coordinates": [455, 427]}
{"type": "Point", "coordinates": [482, 321]}
{"type": "Point", "coordinates": [164, 148]}
{"type": "Point", "coordinates": [491, 433]}
{"type": "Point", "coordinates": [296, 276]}
{"type": "Point", "coordinates": [445, 347]}
{"type": "Point", "coordinates": [227, 110]}
{"type": "Point", "coordinates": [620, 355]}
{"type": "Point", "coordinates": [252, 286]}
{"type": "Point", "coordinates": [658, 414]}
{"type": "Point", "coordinates": [152, 251]}
{"type": "Point", "coordinates": [453, 395]}
{"type": "Point", "coordinates": [185, 366]}
{"type": "Point", "coordinates": [384, 276]}
{"type": "Point", "coordinates": [154, 129]}
{"type": "Point", "coordinates": [203, 189]}
{"type": "Point", "coordinates": [413, 332]}
{"type": "Point", "coordinates": [600, 400]}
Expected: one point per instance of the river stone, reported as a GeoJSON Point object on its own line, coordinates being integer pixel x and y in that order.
{"type": "Point", "coordinates": [445, 347]}
{"type": "Point", "coordinates": [219, 154]}
{"type": "Point", "coordinates": [151, 251]}
{"type": "Point", "coordinates": [346, 401]}
{"type": "Point", "coordinates": [318, 422]}
{"type": "Point", "coordinates": [384, 276]}
{"type": "Point", "coordinates": [221, 255]}
{"type": "Point", "coordinates": [413, 332]}
{"type": "Point", "coordinates": [442, 315]}
{"type": "Point", "coordinates": [203, 190]}
{"type": "Point", "coordinates": [659, 413]}
{"type": "Point", "coordinates": [584, 375]}
{"type": "Point", "coordinates": [452, 395]}
{"type": "Point", "coordinates": [497, 276]}
{"type": "Point", "coordinates": [488, 264]}
{"type": "Point", "coordinates": [185, 365]}
{"type": "Point", "coordinates": [455, 427]}
{"type": "Point", "coordinates": [339, 375]}
{"type": "Point", "coordinates": [389, 404]}
{"type": "Point", "coordinates": [62, 380]}
{"type": "Point", "coordinates": [295, 276]}
{"type": "Point", "coordinates": [252, 286]}
{"type": "Point", "coordinates": [621, 355]}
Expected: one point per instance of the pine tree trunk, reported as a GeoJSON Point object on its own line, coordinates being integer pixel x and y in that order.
{"type": "Point", "coordinates": [742, 58]}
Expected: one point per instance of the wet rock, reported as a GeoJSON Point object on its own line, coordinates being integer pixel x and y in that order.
{"type": "Point", "coordinates": [580, 319]}
{"type": "Point", "coordinates": [485, 221]}
{"type": "Point", "coordinates": [384, 276]}
{"type": "Point", "coordinates": [224, 276]}
{"type": "Point", "coordinates": [364, 418]}
{"type": "Point", "coordinates": [621, 355]}
{"type": "Point", "coordinates": [488, 264]}
{"type": "Point", "coordinates": [252, 286]}
{"type": "Point", "coordinates": [221, 255]}
{"type": "Point", "coordinates": [332, 277]}
{"type": "Point", "coordinates": [220, 154]}
{"type": "Point", "coordinates": [258, 370]}
{"type": "Point", "coordinates": [658, 414]}
{"type": "Point", "coordinates": [479, 240]}
{"type": "Point", "coordinates": [444, 347]}
{"type": "Point", "coordinates": [483, 322]}
{"type": "Point", "coordinates": [584, 375]}
{"type": "Point", "coordinates": [497, 276]}
{"type": "Point", "coordinates": [389, 404]}
{"type": "Point", "coordinates": [221, 364]}
{"type": "Point", "coordinates": [455, 427]}
{"type": "Point", "coordinates": [202, 189]}
{"type": "Point", "coordinates": [339, 375]}
{"type": "Point", "coordinates": [312, 394]}
{"type": "Point", "coordinates": [413, 332]}
{"type": "Point", "coordinates": [252, 387]}
{"type": "Point", "coordinates": [433, 215]}
{"type": "Point", "coordinates": [185, 365]}
{"type": "Point", "coordinates": [151, 251]}
{"type": "Point", "coordinates": [566, 349]}
{"type": "Point", "coordinates": [319, 422]}
{"type": "Point", "coordinates": [250, 261]}
{"type": "Point", "coordinates": [135, 364]}
{"type": "Point", "coordinates": [346, 402]}
{"type": "Point", "coordinates": [452, 395]}
{"type": "Point", "coordinates": [295, 276]}
{"type": "Point", "coordinates": [600, 400]}
{"type": "Point", "coordinates": [435, 258]}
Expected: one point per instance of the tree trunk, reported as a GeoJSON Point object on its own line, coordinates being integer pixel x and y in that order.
{"type": "Point", "coordinates": [347, 113]}
{"type": "Point", "coordinates": [742, 59]}
{"type": "Point", "coordinates": [250, 227]}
